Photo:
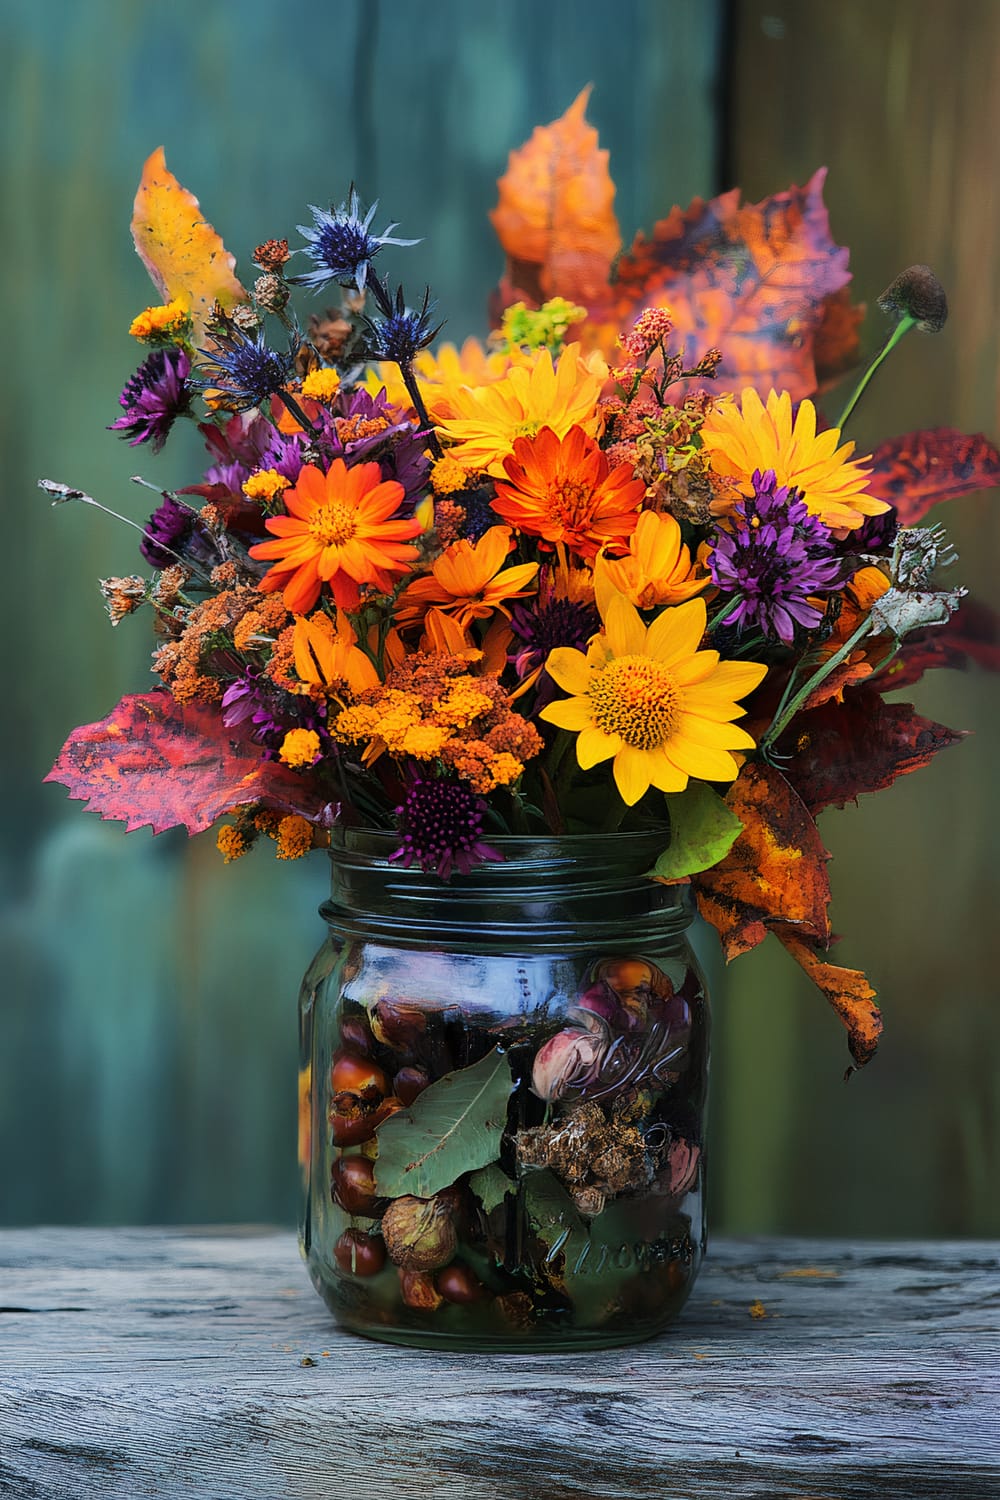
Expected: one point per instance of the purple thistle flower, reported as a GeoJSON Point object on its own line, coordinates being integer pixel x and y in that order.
{"type": "Point", "coordinates": [440, 823]}
{"type": "Point", "coordinates": [175, 530]}
{"type": "Point", "coordinates": [775, 557]}
{"type": "Point", "coordinates": [402, 332]}
{"type": "Point", "coordinates": [542, 625]}
{"type": "Point", "coordinates": [341, 245]}
{"type": "Point", "coordinates": [157, 394]}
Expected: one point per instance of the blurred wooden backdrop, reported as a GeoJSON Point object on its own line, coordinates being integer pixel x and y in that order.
{"type": "Point", "coordinates": [147, 1015]}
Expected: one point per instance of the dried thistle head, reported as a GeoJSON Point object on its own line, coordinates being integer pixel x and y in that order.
{"type": "Point", "coordinates": [917, 293]}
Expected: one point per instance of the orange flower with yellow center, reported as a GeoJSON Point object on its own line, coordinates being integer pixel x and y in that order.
{"type": "Point", "coordinates": [765, 437]}
{"type": "Point", "coordinates": [534, 394]}
{"type": "Point", "coordinates": [649, 698]}
{"type": "Point", "coordinates": [329, 658]}
{"type": "Point", "coordinates": [564, 490]}
{"type": "Point", "coordinates": [339, 531]}
{"type": "Point", "coordinates": [468, 581]}
{"type": "Point", "coordinates": [657, 570]}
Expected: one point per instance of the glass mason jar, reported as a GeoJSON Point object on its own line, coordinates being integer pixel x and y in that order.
{"type": "Point", "coordinates": [502, 1095]}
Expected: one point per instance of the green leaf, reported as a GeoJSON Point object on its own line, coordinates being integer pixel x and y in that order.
{"type": "Point", "coordinates": [454, 1126]}
{"type": "Point", "coordinates": [702, 831]}
{"type": "Point", "coordinates": [490, 1185]}
{"type": "Point", "coordinates": [555, 1217]}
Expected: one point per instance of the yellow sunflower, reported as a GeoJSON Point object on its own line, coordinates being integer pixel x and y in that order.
{"type": "Point", "coordinates": [439, 374]}
{"type": "Point", "coordinates": [657, 568]}
{"type": "Point", "coordinates": [765, 437]}
{"type": "Point", "coordinates": [487, 419]}
{"type": "Point", "coordinates": [649, 698]}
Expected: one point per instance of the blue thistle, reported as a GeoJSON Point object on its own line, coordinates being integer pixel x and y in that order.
{"type": "Point", "coordinates": [341, 245]}
{"type": "Point", "coordinates": [244, 368]}
{"type": "Point", "coordinates": [401, 333]}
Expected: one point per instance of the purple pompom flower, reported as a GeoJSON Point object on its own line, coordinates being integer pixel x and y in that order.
{"type": "Point", "coordinates": [440, 823]}
{"type": "Point", "coordinates": [542, 624]}
{"type": "Point", "coordinates": [157, 394]}
{"type": "Point", "coordinates": [776, 558]}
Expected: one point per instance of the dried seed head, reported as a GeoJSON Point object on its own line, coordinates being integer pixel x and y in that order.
{"type": "Point", "coordinates": [917, 292]}
{"type": "Point", "coordinates": [245, 318]}
{"type": "Point", "coordinates": [271, 293]}
{"type": "Point", "coordinates": [271, 255]}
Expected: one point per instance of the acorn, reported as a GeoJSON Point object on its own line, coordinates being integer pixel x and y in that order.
{"type": "Point", "coordinates": [456, 1283]}
{"type": "Point", "coordinates": [409, 1084]}
{"type": "Point", "coordinates": [419, 1233]}
{"type": "Point", "coordinates": [352, 1184]}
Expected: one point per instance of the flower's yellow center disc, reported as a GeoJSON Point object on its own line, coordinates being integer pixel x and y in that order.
{"type": "Point", "coordinates": [568, 503]}
{"type": "Point", "coordinates": [638, 699]}
{"type": "Point", "coordinates": [334, 524]}
{"type": "Point", "coordinates": [527, 429]}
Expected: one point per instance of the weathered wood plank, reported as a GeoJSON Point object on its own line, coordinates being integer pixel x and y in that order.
{"type": "Point", "coordinates": [166, 1363]}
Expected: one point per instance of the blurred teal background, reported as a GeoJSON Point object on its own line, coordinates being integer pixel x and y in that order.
{"type": "Point", "coordinates": [147, 1019]}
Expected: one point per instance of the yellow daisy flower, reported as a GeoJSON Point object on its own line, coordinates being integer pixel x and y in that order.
{"type": "Point", "coordinates": [657, 568]}
{"type": "Point", "coordinates": [439, 374]}
{"type": "Point", "coordinates": [765, 437]}
{"type": "Point", "coordinates": [535, 394]}
{"type": "Point", "coordinates": [648, 697]}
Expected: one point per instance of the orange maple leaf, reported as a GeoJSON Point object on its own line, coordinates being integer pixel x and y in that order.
{"type": "Point", "coordinates": [751, 279]}
{"type": "Point", "coordinates": [181, 251]}
{"type": "Point", "coordinates": [554, 217]}
{"type": "Point", "coordinates": [847, 990]}
{"type": "Point", "coordinates": [774, 873]}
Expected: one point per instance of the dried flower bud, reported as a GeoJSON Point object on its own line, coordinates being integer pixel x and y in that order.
{"type": "Point", "coordinates": [918, 293]}
{"type": "Point", "coordinates": [419, 1233]}
{"type": "Point", "coordinates": [168, 587]}
{"type": "Point", "coordinates": [271, 255]}
{"type": "Point", "coordinates": [244, 318]}
{"type": "Point", "coordinates": [328, 335]}
{"type": "Point", "coordinates": [567, 1062]}
{"type": "Point", "coordinates": [123, 595]}
{"type": "Point", "coordinates": [271, 293]}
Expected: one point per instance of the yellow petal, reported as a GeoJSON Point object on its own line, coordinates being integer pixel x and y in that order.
{"type": "Point", "coordinates": [676, 633]}
{"type": "Point", "coordinates": [632, 773]}
{"type": "Point", "coordinates": [623, 627]}
{"type": "Point", "coordinates": [569, 668]}
{"type": "Point", "coordinates": [663, 774]}
{"type": "Point", "coordinates": [594, 745]}
{"type": "Point", "coordinates": [569, 713]}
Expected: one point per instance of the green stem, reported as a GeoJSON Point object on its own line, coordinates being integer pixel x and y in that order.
{"type": "Point", "coordinates": [904, 325]}
{"type": "Point", "coordinates": [784, 717]}
{"type": "Point", "coordinates": [724, 614]}
{"type": "Point", "coordinates": [426, 425]}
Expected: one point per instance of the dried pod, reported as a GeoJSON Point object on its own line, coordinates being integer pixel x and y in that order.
{"type": "Point", "coordinates": [419, 1233]}
{"type": "Point", "coordinates": [352, 1123]}
{"type": "Point", "coordinates": [456, 1283]}
{"type": "Point", "coordinates": [418, 1290]}
{"type": "Point", "coordinates": [359, 1254]}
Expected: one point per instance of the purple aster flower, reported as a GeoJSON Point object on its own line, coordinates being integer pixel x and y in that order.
{"type": "Point", "coordinates": [175, 530]}
{"type": "Point", "coordinates": [540, 626]}
{"type": "Point", "coordinates": [341, 244]}
{"type": "Point", "coordinates": [774, 558]}
{"type": "Point", "coordinates": [440, 823]}
{"type": "Point", "coordinates": [397, 446]}
{"type": "Point", "coordinates": [255, 700]}
{"type": "Point", "coordinates": [157, 394]}
{"type": "Point", "coordinates": [243, 367]}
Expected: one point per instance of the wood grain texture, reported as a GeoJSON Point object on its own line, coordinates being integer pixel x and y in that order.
{"type": "Point", "coordinates": [139, 1363]}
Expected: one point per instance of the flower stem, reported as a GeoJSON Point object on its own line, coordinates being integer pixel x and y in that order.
{"type": "Point", "coordinates": [904, 325]}
{"type": "Point", "coordinates": [426, 425]}
{"type": "Point", "coordinates": [785, 715]}
{"type": "Point", "coordinates": [297, 412]}
{"type": "Point", "coordinates": [724, 613]}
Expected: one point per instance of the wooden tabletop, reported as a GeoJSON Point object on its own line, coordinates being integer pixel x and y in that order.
{"type": "Point", "coordinates": [201, 1363]}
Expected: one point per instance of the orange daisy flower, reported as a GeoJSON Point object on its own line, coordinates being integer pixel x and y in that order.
{"type": "Point", "coordinates": [564, 490]}
{"type": "Point", "coordinates": [328, 658]}
{"type": "Point", "coordinates": [468, 581]}
{"type": "Point", "coordinates": [817, 463]}
{"type": "Point", "coordinates": [339, 530]}
{"type": "Point", "coordinates": [487, 419]}
{"type": "Point", "coordinates": [657, 569]}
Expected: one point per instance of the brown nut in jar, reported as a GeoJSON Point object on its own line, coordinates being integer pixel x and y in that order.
{"type": "Point", "coordinates": [359, 1254]}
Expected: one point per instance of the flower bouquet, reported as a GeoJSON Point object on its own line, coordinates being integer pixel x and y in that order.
{"type": "Point", "coordinates": [547, 640]}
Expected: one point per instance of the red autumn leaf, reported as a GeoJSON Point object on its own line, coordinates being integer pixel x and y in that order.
{"type": "Point", "coordinates": [750, 279]}
{"type": "Point", "coordinates": [774, 873]}
{"type": "Point", "coordinates": [860, 745]}
{"type": "Point", "coordinates": [837, 346]}
{"type": "Point", "coordinates": [554, 217]}
{"type": "Point", "coordinates": [918, 470]}
{"type": "Point", "coordinates": [850, 672]}
{"type": "Point", "coordinates": [847, 990]}
{"type": "Point", "coordinates": [972, 634]}
{"type": "Point", "coordinates": [155, 761]}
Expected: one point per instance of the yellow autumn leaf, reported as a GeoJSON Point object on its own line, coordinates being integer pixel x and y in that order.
{"type": "Point", "coordinates": [181, 251]}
